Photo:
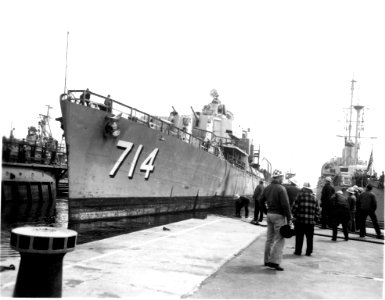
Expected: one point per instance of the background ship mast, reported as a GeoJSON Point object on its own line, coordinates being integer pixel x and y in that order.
{"type": "Point", "coordinates": [44, 126]}
{"type": "Point", "coordinates": [351, 110]}
{"type": "Point", "coordinates": [350, 151]}
{"type": "Point", "coordinates": [358, 108]}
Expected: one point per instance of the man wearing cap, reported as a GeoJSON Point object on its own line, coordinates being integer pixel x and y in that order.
{"type": "Point", "coordinates": [368, 205]}
{"type": "Point", "coordinates": [275, 199]}
{"type": "Point", "coordinates": [305, 212]}
{"type": "Point", "coordinates": [326, 194]}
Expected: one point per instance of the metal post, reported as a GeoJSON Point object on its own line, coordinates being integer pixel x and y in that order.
{"type": "Point", "coordinates": [42, 250]}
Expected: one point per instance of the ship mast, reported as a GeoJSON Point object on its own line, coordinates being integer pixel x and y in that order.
{"type": "Point", "coordinates": [358, 108]}
{"type": "Point", "coordinates": [44, 123]}
{"type": "Point", "coordinates": [351, 109]}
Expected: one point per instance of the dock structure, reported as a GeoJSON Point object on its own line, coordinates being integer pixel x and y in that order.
{"type": "Point", "coordinates": [161, 261]}
{"type": "Point", "coordinates": [216, 257]}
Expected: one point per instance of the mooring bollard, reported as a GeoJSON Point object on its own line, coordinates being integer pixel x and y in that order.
{"type": "Point", "coordinates": [42, 250]}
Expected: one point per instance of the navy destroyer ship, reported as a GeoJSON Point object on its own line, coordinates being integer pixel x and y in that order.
{"type": "Point", "coordinates": [348, 169]}
{"type": "Point", "coordinates": [124, 162]}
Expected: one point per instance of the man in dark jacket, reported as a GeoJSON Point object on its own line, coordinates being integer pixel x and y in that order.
{"type": "Point", "coordinates": [340, 214]}
{"type": "Point", "coordinates": [278, 214]}
{"type": "Point", "coordinates": [367, 204]}
{"type": "Point", "coordinates": [292, 190]}
{"type": "Point", "coordinates": [357, 192]}
{"type": "Point", "coordinates": [258, 211]}
{"type": "Point", "coordinates": [326, 194]}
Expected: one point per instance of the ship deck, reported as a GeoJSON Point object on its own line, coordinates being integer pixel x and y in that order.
{"type": "Point", "coordinates": [217, 257]}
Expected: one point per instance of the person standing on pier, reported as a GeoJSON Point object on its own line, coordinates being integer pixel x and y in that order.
{"type": "Point", "coordinates": [305, 212]}
{"type": "Point", "coordinates": [340, 214]}
{"type": "Point", "coordinates": [352, 207]}
{"type": "Point", "coordinates": [368, 204]}
{"type": "Point", "coordinates": [275, 199]}
{"type": "Point", "coordinates": [258, 211]}
{"type": "Point", "coordinates": [326, 194]}
{"type": "Point", "coordinates": [357, 193]}
{"type": "Point", "coordinates": [292, 190]}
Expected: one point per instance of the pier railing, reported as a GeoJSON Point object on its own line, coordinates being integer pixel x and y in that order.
{"type": "Point", "coordinates": [21, 151]}
{"type": "Point", "coordinates": [211, 143]}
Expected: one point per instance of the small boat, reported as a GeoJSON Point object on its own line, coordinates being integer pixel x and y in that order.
{"type": "Point", "coordinates": [124, 162]}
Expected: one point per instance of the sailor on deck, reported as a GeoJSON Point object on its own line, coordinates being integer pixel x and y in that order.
{"type": "Point", "coordinates": [85, 98]}
{"type": "Point", "coordinates": [108, 104]}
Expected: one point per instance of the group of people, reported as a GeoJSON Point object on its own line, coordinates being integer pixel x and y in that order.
{"type": "Point", "coordinates": [351, 210]}
{"type": "Point", "coordinates": [299, 206]}
{"type": "Point", "coordinates": [85, 97]}
{"type": "Point", "coordinates": [303, 212]}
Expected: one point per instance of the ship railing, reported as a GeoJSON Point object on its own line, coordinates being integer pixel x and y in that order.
{"type": "Point", "coordinates": [131, 113]}
{"type": "Point", "coordinates": [209, 143]}
{"type": "Point", "coordinates": [20, 151]}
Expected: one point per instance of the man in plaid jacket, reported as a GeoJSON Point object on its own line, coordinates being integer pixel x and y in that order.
{"type": "Point", "coordinates": [305, 213]}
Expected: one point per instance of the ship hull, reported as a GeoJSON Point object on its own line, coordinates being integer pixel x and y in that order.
{"type": "Point", "coordinates": [142, 171]}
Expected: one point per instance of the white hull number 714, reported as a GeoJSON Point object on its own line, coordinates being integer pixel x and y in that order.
{"type": "Point", "coordinates": [147, 165]}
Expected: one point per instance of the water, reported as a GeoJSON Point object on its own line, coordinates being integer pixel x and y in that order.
{"type": "Point", "coordinates": [97, 230]}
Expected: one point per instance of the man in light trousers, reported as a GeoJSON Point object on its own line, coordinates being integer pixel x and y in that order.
{"type": "Point", "coordinates": [276, 200]}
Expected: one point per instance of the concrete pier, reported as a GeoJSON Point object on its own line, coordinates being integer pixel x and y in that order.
{"type": "Point", "coordinates": [217, 257]}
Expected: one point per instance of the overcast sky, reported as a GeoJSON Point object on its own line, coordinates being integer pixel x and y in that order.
{"type": "Point", "coordinates": [282, 67]}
